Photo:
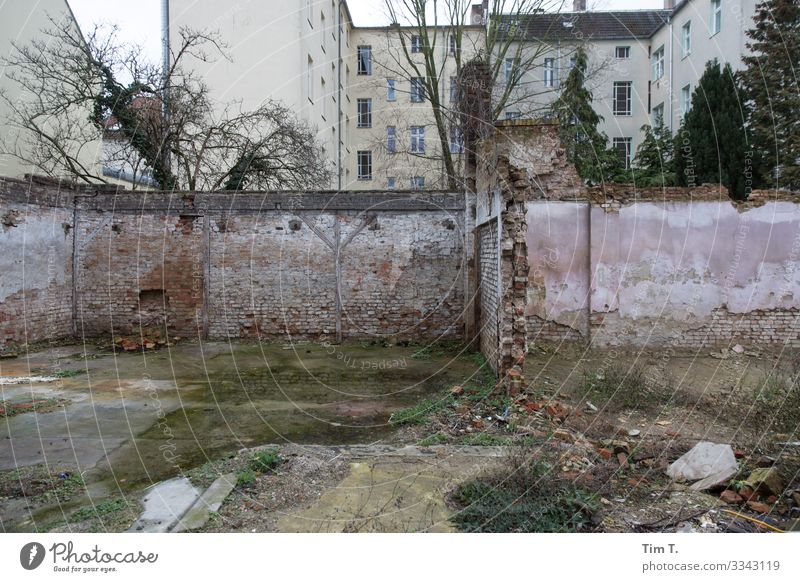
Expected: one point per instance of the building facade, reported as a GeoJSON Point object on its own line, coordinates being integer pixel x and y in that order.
{"type": "Point", "coordinates": [355, 85]}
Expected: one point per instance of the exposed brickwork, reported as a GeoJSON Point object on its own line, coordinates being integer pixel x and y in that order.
{"type": "Point", "coordinates": [488, 293]}
{"type": "Point", "coordinates": [35, 264]}
{"type": "Point", "coordinates": [544, 331]}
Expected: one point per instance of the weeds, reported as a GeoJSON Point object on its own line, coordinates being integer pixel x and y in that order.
{"type": "Point", "coordinates": [778, 401]}
{"type": "Point", "coordinates": [484, 439]}
{"type": "Point", "coordinates": [265, 461]}
{"type": "Point", "coordinates": [622, 386]}
{"type": "Point", "coordinates": [525, 495]}
{"type": "Point", "coordinates": [245, 478]}
{"type": "Point", "coordinates": [419, 413]}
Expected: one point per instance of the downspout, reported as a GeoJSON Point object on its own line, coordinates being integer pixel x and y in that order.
{"type": "Point", "coordinates": [671, 76]}
{"type": "Point", "coordinates": [339, 169]}
{"type": "Point", "coordinates": [165, 65]}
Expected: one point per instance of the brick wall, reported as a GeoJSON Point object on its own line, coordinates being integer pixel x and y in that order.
{"type": "Point", "coordinates": [308, 265]}
{"type": "Point", "coordinates": [35, 263]}
{"type": "Point", "coordinates": [489, 297]}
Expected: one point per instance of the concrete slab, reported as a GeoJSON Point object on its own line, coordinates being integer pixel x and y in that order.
{"type": "Point", "coordinates": [704, 460]}
{"type": "Point", "coordinates": [209, 502]}
{"type": "Point", "coordinates": [164, 504]}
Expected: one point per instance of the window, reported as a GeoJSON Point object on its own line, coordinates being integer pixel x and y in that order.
{"type": "Point", "coordinates": [686, 39]}
{"type": "Point", "coordinates": [456, 140]}
{"type": "Point", "coordinates": [658, 115]}
{"type": "Point", "coordinates": [453, 44]}
{"type": "Point", "coordinates": [686, 99]}
{"type": "Point", "coordinates": [549, 72]}
{"type": "Point", "coordinates": [364, 60]}
{"type": "Point", "coordinates": [364, 108]}
{"type": "Point", "coordinates": [391, 183]}
{"type": "Point", "coordinates": [417, 139]}
{"type": "Point", "coordinates": [623, 147]}
{"type": "Point", "coordinates": [715, 23]}
{"type": "Point", "coordinates": [417, 90]}
{"type": "Point", "coordinates": [453, 89]}
{"type": "Point", "coordinates": [658, 63]}
{"type": "Point", "coordinates": [511, 70]}
{"type": "Point", "coordinates": [623, 52]}
{"type": "Point", "coordinates": [418, 183]}
{"type": "Point", "coordinates": [364, 165]}
{"type": "Point", "coordinates": [513, 114]}
{"type": "Point", "coordinates": [622, 98]}
{"type": "Point", "coordinates": [310, 79]}
{"type": "Point", "coordinates": [416, 44]}
{"type": "Point", "coordinates": [391, 139]}
{"type": "Point", "coordinates": [391, 90]}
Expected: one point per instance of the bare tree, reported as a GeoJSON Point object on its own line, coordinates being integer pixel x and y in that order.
{"type": "Point", "coordinates": [435, 42]}
{"type": "Point", "coordinates": [158, 124]}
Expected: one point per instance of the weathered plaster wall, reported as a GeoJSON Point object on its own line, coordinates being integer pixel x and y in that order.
{"type": "Point", "coordinates": [35, 266]}
{"type": "Point", "coordinates": [308, 265]}
{"type": "Point", "coordinates": [681, 272]}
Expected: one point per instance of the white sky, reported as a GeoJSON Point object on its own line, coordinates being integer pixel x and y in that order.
{"type": "Point", "coordinates": [140, 20]}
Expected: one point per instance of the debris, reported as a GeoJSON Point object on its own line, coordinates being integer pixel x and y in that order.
{"type": "Point", "coordinates": [758, 506]}
{"type": "Point", "coordinates": [766, 481]}
{"type": "Point", "coordinates": [622, 458]}
{"type": "Point", "coordinates": [457, 390]}
{"type": "Point", "coordinates": [663, 422]}
{"type": "Point", "coordinates": [731, 497]}
{"type": "Point", "coordinates": [737, 349]}
{"type": "Point", "coordinates": [591, 407]}
{"type": "Point", "coordinates": [634, 433]}
{"type": "Point", "coordinates": [704, 460]}
{"type": "Point", "coordinates": [714, 481]}
{"type": "Point", "coordinates": [605, 453]}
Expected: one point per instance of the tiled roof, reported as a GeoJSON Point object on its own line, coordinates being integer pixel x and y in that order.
{"type": "Point", "coordinates": [615, 25]}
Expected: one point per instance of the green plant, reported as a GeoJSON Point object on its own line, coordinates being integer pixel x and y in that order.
{"type": "Point", "coordinates": [245, 478]}
{"type": "Point", "coordinates": [778, 401]}
{"type": "Point", "coordinates": [622, 386]}
{"type": "Point", "coordinates": [523, 496]}
{"type": "Point", "coordinates": [68, 373]}
{"type": "Point", "coordinates": [483, 439]}
{"type": "Point", "coordinates": [100, 510]}
{"type": "Point", "coordinates": [265, 461]}
{"type": "Point", "coordinates": [433, 439]}
{"type": "Point", "coordinates": [419, 413]}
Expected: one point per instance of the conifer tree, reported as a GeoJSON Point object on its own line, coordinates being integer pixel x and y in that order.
{"type": "Point", "coordinates": [586, 146]}
{"type": "Point", "coordinates": [654, 164]}
{"type": "Point", "coordinates": [713, 144]}
{"type": "Point", "coordinates": [770, 81]}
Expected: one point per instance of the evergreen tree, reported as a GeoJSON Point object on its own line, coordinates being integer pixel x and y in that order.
{"type": "Point", "coordinates": [585, 145]}
{"type": "Point", "coordinates": [713, 144]}
{"type": "Point", "coordinates": [770, 81]}
{"type": "Point", "coordinates": [654, 164]}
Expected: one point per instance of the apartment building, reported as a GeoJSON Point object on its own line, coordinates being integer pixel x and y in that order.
{"type": "Point", "coordinates": [354, 85]}
{"type": "Point", "coordinates": [22, 23]}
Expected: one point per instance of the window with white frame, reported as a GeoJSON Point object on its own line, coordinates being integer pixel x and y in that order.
{"type": "Point", "coordinates": [391, 90]}
{"type": "Point", "coordinates": [686, 99]}
{"type": "Point", "coordinates": [715, 23]}
{"type": "Point", "coordinates": [549, 72]}
{"type": "Point", "coordinates": [658, 63]}
{"type": "Point", "coordinates": [453, 89]}
{"type": "Point", "coordinates": [418, 183]}
{"type": "Point", "coordinates": [513, 114]}
{"type": "Point", "coordinates": [453, 44]}
{"type": "Point", "coordinates": [391, 139]}
{"type": "Point", "coordinates": [416, 43]}
{"type": "Point", "coordinates": [622, 98]}
{"type": "Point", "coordinates": [364, 158]}
{"type": "Point", "coordinates": [456, 140]}
{"type": "Point", "coordinates": [658, 115]}
{"type": "Point", "coordinates": [417, 90]}
{"type": "Point", "coordinates": [364, 60]}
{"type": "Point", "coordinates": [417, 139]}
{"type": "Point", "coordinates": [686, 39]}
{"type": "Point", "coordinates": [391, 183]}
{"type": "Point", "coordinates": [511, 70]}
{"type": "Point", "coordinates": [623, 147]}
{"type": "Point", "coordinates": [364, 109]}
{"type": "Point", "coordinates": [622, 52]}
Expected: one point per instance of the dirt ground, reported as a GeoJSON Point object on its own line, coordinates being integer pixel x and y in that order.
{"type": "Point", "coordinates": [605, 423]}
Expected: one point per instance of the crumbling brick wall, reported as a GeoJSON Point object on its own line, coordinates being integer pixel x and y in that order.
{"type": "Point", "coordinates": [36, 238]}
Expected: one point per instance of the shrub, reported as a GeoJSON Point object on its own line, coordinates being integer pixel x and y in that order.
{"type": "Point", "coordinates": [245, 478]}
{"type": "Point", "coordinates": [265, 461]}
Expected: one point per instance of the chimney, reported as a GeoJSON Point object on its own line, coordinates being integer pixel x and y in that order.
{"type": "Point", "coordinates": [669, 4]}
{"type": "Point", "coordinates": [479, 13]}
{"type": "Point", "coordinates": [579, 6]}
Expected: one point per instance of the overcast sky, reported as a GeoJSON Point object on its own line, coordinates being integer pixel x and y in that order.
{"type": "Point", "coordinates": [139, 20]}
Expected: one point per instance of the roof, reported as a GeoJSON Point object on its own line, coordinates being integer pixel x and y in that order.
{"type": "Point", "coordinates": [614, 25]}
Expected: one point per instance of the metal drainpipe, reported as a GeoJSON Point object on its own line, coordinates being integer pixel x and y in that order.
{"type": "Point", "coordinates": [165, 64]}
{"type": "Point", "coordinates": [339, 169]}
{"type": "Point", "coordinates": [671, 76]}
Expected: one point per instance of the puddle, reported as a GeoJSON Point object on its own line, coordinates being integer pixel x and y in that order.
{"type": "Point", "coordinates": [137, 419]}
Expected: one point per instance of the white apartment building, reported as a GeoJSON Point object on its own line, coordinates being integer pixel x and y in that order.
{"type": "Point", "coordinates": [376, 127]}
